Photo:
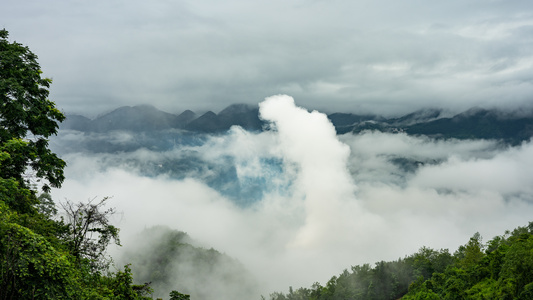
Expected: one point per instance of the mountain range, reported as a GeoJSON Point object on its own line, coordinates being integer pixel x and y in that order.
{"type": "Point", "coordinates": [510, 127]}
{"type": "Point", "coordinates": [149, 118]}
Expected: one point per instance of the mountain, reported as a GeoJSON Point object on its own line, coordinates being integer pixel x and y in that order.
{"type": "Point", "coordinates": [186, 117]}
{"type": "Point", "coordinates": [476, 123]}
{"type": "Point", "coordinates": [76, 122]}
{"type": "Point", "coordinates": [130, 118]}
{"type": "Point", "coordinates": [136, 118]}
{"type": "Point", "coordinates": [171, 260]}
{"type": "Point", "coordinates": [147, 118]}
{"type": "Point", "coordinates": [346, 122]}
{"type": "Point", "coordinates": [242, 115]}
{"type": "Point", "coordinates": [208, 122]}
{"type": "Point", "coordinates": [419, 116]}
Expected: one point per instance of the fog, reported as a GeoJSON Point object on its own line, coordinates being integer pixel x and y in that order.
{"type": "Point", "coordinates": [318, 203]}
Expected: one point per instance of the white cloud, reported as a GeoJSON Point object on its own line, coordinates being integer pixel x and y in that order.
{"type": "Point", "coordinates": [332, 202]}
{"type": "Point", "coordinates": [509, 172]}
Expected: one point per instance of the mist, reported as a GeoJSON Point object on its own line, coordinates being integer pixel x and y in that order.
{"type": "Point", "coordinates": [315, 203]}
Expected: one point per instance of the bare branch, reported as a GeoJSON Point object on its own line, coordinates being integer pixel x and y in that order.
{"type": "Point", "coordinates": [90, 230]}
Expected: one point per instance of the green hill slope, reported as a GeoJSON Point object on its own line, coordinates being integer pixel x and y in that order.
{"type": "Point", "coordinates": [169, 260]}
{"type": "Point", "coordinates": [499, 269]}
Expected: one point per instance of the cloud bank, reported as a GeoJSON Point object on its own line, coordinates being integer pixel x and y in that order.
{"type": "Point", "coordinates": [335, 56]}
{"type": "Point", "coordinates": [327, 202]}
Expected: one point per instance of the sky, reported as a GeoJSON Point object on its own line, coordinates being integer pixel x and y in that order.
{"type": "Point", "coordinates": [329, 201]}
{"type": "Point", "coordinates": [384, 56]}
{"type": "Point", "coordinates": [340, 200]}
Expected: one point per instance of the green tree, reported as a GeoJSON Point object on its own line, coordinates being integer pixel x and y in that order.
{"type": "Point", "coordinates": [471, 253]}
{"type": "Point", "coordinates": [124, 289]}
{"type": "Point", "coordinates": [30, 266]}
{"type": "Point", "coordinates": [90, 231]}
{"type": "Point", "coordinates": [37, 260]}
{"type": "Point", "coordinates": [27, 118]}
{"type": "Point", "coordinates": [175, 295]}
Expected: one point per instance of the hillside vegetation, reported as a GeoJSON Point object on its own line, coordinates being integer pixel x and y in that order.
{"type": "Point", "coordinates": [170, 259]}
{"type": "Point", "coordinates": [42, 255]}
{"type": "Point", "coordinates": [499, 269]}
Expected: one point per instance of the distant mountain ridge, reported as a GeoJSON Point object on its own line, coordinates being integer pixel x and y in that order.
{"type": "Point", "coordinates": [149, 118]}
{"type": "Point", "coordinates": [471, 124]}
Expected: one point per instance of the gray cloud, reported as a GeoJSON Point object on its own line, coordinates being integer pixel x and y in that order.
{"type": "Point", "coordinates": [336, 55]}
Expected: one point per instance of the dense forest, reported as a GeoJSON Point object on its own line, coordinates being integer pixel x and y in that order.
{"type": "Point", "coordinates": [499, 269]}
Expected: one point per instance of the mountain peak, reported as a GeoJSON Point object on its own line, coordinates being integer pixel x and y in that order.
{"type": "Point", "coordinates": [208, 122]}
{"type": "Point", "coordinates": [419, 116]}
{"type": "Point", "coordinates": [187, 116]}
{"type": "Point", "coordinates": [138, 118]}
{"type": "Point", "coordinates": [239, 108]}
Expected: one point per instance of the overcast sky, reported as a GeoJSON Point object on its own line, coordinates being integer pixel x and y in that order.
{"type": "Point", "coordinates": [385, 56]}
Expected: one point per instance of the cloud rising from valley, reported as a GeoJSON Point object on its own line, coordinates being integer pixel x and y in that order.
{"type": "Point", "coordinates": [298, 204]}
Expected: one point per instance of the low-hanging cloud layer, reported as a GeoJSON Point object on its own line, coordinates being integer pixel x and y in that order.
{"type": "Point", "coordinates": [328, 203]}
{"type": "Point", "coordinates": [381, 56]}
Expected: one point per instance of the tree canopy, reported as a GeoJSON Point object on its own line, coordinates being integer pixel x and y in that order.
{"type": "Point", "coordinates": [499, 269]}
{"type": "Point", "coordinates": [42, 256]}
{"type": "Point", "coordinates": [27, 118]}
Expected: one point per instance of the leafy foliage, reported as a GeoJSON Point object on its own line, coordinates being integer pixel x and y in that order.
{"type": "Point", "coordinates": [89, 231]}
{"type": "Point", "coordinates": [500, 269]}
{"type": "Point", "coordinates": [27, 117]}
{"type": "Point", "coordinates": [40, 256]}
{"type": "Point", "coordinates": [175, 295]}
{"type": "Point", "coordinates": [32, 268]}
{"type": "Point", "coordinates": [386, 280]}
{"type": "Point", "coordinates": [503, 271]}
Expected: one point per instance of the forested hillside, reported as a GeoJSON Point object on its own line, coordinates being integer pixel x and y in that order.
{"type": "Point", "coordinates": [170, 259]}
{"type": "Point", "coordinates": [502, 268]}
